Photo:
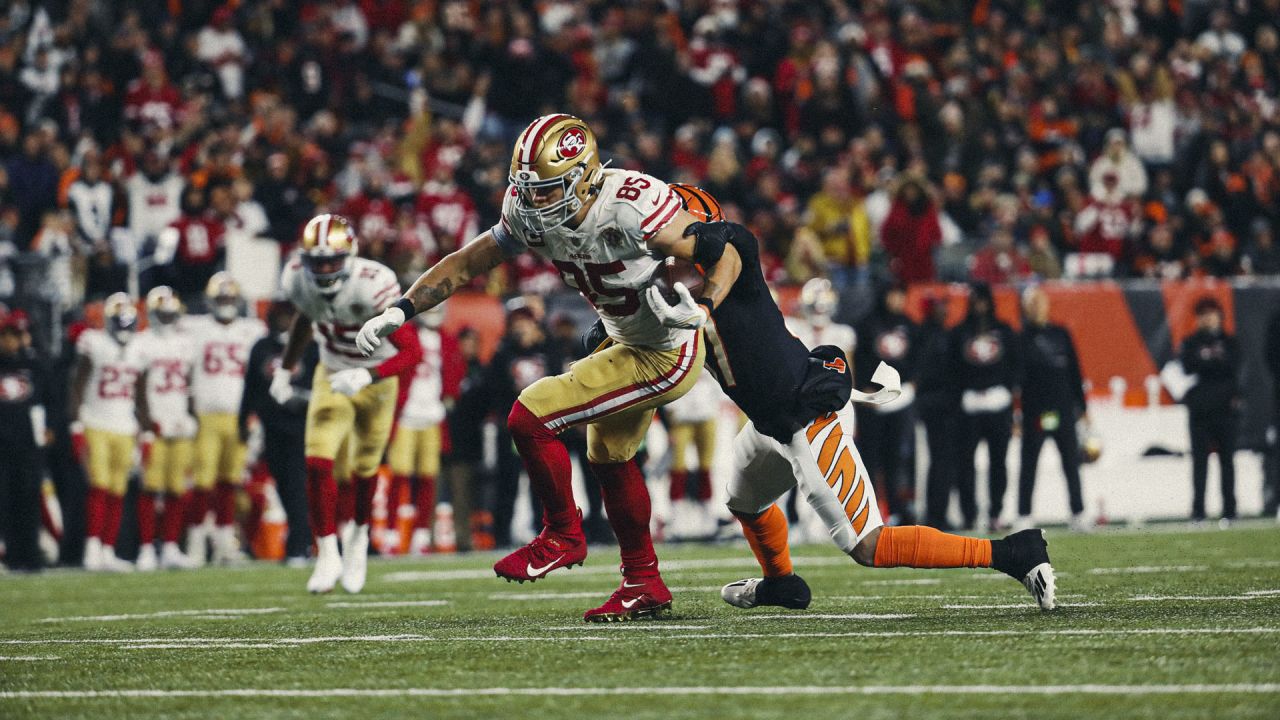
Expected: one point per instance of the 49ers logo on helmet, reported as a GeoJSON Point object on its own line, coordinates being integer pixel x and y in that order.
{"type": "Point", "coordinates": [572, 143]}
{"type": "Point", "coordinates": [15, 387]}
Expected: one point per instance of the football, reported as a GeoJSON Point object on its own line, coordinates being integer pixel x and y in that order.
{"type": "Point", "coordinates": [674, 270]}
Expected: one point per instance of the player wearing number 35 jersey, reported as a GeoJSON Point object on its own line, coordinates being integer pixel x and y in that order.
{"type": "Point", "coordinates": [605, 230]}
{"type": "Point", "coordinates": [335, 291]}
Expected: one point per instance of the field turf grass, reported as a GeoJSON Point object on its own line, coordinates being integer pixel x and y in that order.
{"type": "Point", "coordinates": [1167, 623]}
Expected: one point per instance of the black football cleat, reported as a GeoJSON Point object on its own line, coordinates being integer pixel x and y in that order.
{"type": "Point", "coordinates": [1024, 556]}
{"type": "Point", "coordinates": [788, 591]}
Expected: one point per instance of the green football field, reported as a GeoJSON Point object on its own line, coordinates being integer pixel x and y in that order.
{"type": "Point", "coordinates": [1166, 623]}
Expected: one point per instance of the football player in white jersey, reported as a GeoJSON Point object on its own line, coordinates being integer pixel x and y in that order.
{"type": "Point", "coordinates": [103, 403]}
{"type": "Point", "coordinates": [166, 356]}
{"type": "Point", "coordinates": [691, 422]}
{"type": "Point", "coordinates": [814, 327]}
{"type": "Point", "coordinates": [352, 394]}
{"type": "Point", "coordinates": [605, 231]}
{"type": "Point", "coordinates": [222, 340]}
{"type": "Point", "coordinates": [415, 445]}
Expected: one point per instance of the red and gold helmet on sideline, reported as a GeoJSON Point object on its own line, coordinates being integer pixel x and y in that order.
{"type": "Point", "coordinates": [329, 247]}
{"type": "Point", "coordinates": [223, 296]}
{"type": "Point", "coordinates": [163, 305]}
{"type": "Point", "coordinates": [698, 202]}
{"type": "Point", "coordinates": [554, 152]}
{"type": "Point", "coordinates": [818, 300]}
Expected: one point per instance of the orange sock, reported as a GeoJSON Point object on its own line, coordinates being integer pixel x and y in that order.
{"type": "Point", "coordinates": [918, 546]}
{"type": "Point", "coordinates": [767, 535]}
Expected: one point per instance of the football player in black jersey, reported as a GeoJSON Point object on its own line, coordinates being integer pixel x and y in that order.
{"type": "Point", "coordinates": [798, 402]}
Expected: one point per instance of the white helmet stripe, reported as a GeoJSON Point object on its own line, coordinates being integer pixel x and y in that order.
{"type": "Point", "coordinates": [529, 148]}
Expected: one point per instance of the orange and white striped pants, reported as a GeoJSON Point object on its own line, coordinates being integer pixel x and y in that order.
{"type": "Point", "coordinates": [822, 461]}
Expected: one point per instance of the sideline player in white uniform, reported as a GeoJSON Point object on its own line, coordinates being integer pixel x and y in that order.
{"type": "Point", "coordinates": [692, 421]}
{"type": "Point", "coordinates": [814, 328]}
{"type": "Point", "coordinates": [415, 448]}
{"type": "Point", "coordinates": [166, 357]}
{"type": "Point", "coordinates": [351, 395]}
{"type": "Point", "coordinates": [222, 343]}
{"type": "Point", "coordinates": [103, 403]}
{"type": "Point", "coordinates": [604, 230]}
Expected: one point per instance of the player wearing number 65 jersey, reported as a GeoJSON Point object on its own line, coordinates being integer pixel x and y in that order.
{"type": "Point", "coordinates": [221, 340]}
{"type": "Point", "coordinates": [351, 394]}
{"type": "Point", "coordinates": [605, 231]}
{"type": "Point", "coordinates": [103, 405]}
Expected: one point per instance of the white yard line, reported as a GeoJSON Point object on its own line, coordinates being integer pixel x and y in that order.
{"type": "Point", "coordinates": [832, 616]}
{"type": "Point", "coordinates": [906, 581]}
{"type": "Point", "coordinates": [662, 625]}
{"type": "Point", "coordinates": [388, 604]}
{"type": "Point", "coordinates": [1144, 569]}
{"type": "Point", "coordinates": [212, 643]}
{"type": "Point", "coordinates": [668, 566]}
{"type": "Point", "coordinates": [27, 658]}
{"type": "Point", "coordinates": [1200, 598]}
{"type": "Point", "coordinates": [546, 596]}
{"type": "Point", "coordinates": [1016, 606]}
{"type": "Point", "coordinates": [1004, 690]}
{"type": "Point", "coordinates": [214, 613]}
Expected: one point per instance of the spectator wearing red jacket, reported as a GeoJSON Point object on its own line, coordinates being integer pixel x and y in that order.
{"type": "Point", "coordinates": [1000, 263]}
{"type": "Point", "coordinates": [911, 233]}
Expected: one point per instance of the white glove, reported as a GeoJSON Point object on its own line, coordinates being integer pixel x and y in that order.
{"type": "Point", "coordinates": [186, 427]}
{"type": "Point", "coordinates": [687, 313]}
{"type": "Point", "coordinates": [376, 328]}
{"type": "Point", "coordinates": [350, 382]}
{"type": "Point", "coordinates": [281, 385]}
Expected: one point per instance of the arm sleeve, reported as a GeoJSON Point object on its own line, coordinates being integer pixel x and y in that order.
{"type": "Point", "coordinates": [507, 231]}
{"type": "Point", "coordinates": [410, 352]}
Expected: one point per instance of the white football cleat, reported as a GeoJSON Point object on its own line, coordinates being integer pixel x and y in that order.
{"type": "Point", "coordinates": [147, 561]}
{"type": "Point", "coordinates": [226, 546]}
{"type": "Point", "coordinates": [328, 565]}
{"type": "Point", "coordinates": [1024, 556]}
{"type": "Point", "coordinates": [420, 542]}
{"type": "Point", "coordinates": [111, 563]}
{"type": "Point", "coordinates": [355, 560]}
{"type": "Point", "coordinates": [198, 543]}
{"type": "Point", "coordinates": [172, 558]}
{"type": "Point", "coordinates": [93, 555]}
{"type": "Point", "coordinates": [345, 534]}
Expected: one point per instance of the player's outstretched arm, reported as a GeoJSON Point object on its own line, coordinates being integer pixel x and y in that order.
{"type": "Point", "coordinates": [432, 288]}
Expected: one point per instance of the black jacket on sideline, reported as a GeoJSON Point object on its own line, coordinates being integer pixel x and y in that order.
{"type": "Point", "coordinates": [1215, 359]}
{"type": "Point", "coordinates": [1050, 371]}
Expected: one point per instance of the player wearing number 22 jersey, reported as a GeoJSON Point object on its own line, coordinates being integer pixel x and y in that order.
{"type": "Point", "coordinates": [606, 232]}
{"type": "Point", "coordinates": [352, 395]}
{"type": "Point", "coordinates": [104, 408]}
{"type": "Point", "coordinates": [222, 340]}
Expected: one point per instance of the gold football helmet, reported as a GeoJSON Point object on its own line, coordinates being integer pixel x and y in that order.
{"type": "Point", "coordinates": [223, 296]}
{"type": "Point", "coordinates": [818, 299]}
{"type": "Point", "coordinates": [120, 317]}
{"type": "Point", "coordinates": [329, 249]}
{"type": "Point", "coordinates": [163, 305]}
{"type": "Point", "coordinates": [556, 152]}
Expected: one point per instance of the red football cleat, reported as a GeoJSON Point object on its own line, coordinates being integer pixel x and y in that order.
{"type": "Point", "coordinates": [636, 598]}
{"type": "Point", "coordinates": [545, 553]}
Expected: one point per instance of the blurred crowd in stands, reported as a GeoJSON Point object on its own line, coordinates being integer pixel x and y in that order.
{"type": "Point", "coordinates": [937, 139]}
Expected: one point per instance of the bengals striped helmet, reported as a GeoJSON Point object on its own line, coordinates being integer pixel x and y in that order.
{"type": "Point", "coordinates": [556, 152]}
{"type": "Point", "coordinates": [698, 202]}
{"type": "Point", "coordinates": [329, 249]}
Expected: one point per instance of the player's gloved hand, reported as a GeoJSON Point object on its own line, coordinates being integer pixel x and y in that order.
{"type": "Point", "coordinates": [376, 328]}
{"type": "Point", "coordinates": [188, 426]}
{"type": "Point", "coordinates": [79, 446]}
{"type": "Point", "coordinates": [350, 382]}
{"type": "Point", "coordinates": [281, 389]}
{"type": "Point", "coordinates": [686, 314]}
